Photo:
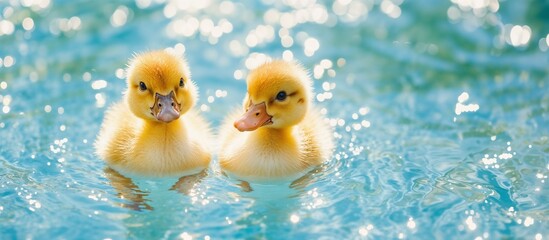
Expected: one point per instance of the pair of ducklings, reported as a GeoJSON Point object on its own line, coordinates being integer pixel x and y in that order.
{"type": "Point", "coordinates": [155, 131]}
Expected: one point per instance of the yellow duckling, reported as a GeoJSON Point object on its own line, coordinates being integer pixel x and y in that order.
{"type": "Point", "coordinates": [280, 135]}
{"type": "Point", "coordinates": [154, 131]}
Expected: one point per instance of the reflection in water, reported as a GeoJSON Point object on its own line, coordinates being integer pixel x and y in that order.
{"type": "Point", "coordinates": [186, 184]}
{"type": "Point", "coordinates": [270, 209]}
{"type": "Point", "coordinates": [298, 184]}
{"type": "Point", "coordinates": [138, 199]}
{"type": "Point", "coordinates": [301, 183]}
{"type": "Point", "coordinates": [127, 190]}
{"type": "Point", "coordinates": [273, 208]}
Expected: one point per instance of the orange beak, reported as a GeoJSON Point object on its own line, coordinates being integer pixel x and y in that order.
{"type": "Point", "coordinates": [255, 117]}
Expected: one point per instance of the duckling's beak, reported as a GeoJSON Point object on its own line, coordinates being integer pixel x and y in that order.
{"type": "Point", "coordinates": [165, 108]}
{"type": "Point", "coordinates": [255, 117]}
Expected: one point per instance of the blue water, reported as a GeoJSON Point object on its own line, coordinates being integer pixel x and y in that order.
{"type": "Point", "coordinates": [440, 109]}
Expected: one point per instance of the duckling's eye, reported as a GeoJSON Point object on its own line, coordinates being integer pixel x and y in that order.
{"type": "Point", "coordinates": [142, 86]}
{"type": "Point", "coordinates": [281, 96]}
{"type": "Point", "coordinates": [181, 83]}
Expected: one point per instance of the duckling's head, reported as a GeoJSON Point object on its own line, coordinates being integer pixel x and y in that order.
{"type": "Point", "coordinates": [279, 94]}
{"type": "Point", "coordinates": [159, 86]}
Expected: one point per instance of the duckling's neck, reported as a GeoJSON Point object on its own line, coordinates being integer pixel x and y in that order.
{"type": "Point", "coordinates": [282, 138]}
{"type": "Point", "coordinates": [172, 130]}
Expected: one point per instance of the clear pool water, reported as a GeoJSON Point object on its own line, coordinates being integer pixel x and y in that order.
{"type": "Point", "coordinates": [440, 109]}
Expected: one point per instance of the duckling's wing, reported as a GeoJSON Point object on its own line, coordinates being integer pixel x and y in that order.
{"type": "Point", "coordinates": [117, 133]}
{"type": "Point", "coordinates": [316, 137]}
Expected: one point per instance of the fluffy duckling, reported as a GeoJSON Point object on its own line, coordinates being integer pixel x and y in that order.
{"type": "Point", "coordinates": [280, 135]}
{"type": "Point", "coordinates": [154, 131]}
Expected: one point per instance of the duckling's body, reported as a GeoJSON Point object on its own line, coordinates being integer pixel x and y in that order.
{"type": "Point", "coordinates": [272, 153]}
{"type": "Point", "coordinates": [130, 144]}
{"type": "Point", "coordinates": [290, 138]}
{"type": "Point", "coordinates": [141, 136]}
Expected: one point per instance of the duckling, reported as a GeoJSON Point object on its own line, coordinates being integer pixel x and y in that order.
{"type": "Point", "coordinates": [280, 135]}
{"type": "Point", "coordinates": [155, 131]}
